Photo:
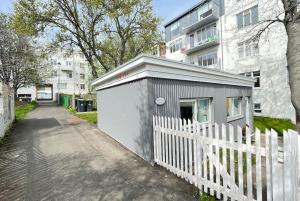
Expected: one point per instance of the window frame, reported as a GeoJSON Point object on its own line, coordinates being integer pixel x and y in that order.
{"type": "Point", "coordinates": [175, 46]}
{"type": "Point", "coordinates": [231, 116]}
{"type": "Point", "coordinates": [251, 74]}
{"type": "Point", "coordinates": [244, 13]}
{"type": "Point", "coordinates": [213, 56]}
{"type": "Point", "coordinates": [259, 110]}
{"type": "Point", "coordinates": [195, 102]}
{"type": "Point", "coordinates": [251, 46]}
{"type": "Point", "coordinates": [82, 88]}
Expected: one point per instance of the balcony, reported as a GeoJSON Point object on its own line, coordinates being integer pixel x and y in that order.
{"type": "Point", "coordinates": [211, 41]}
{"type": "Point", "coordinates": [66, 68]}
{"type": "Point", "coordinates": [205, 18]}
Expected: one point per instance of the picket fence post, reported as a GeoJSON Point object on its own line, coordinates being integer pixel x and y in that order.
{"type": "Point", "coordinates": [206, 157]}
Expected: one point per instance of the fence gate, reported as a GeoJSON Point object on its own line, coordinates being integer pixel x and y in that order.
{"type": "Point", "coordinates": [228, 162]}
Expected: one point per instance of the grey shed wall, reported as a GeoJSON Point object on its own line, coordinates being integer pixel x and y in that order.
{"type": "Point", "coordinates": [125, 111]}
{"type": "Point", "coordinates": [174, 90]}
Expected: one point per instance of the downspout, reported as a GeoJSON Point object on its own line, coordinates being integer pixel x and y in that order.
{"type": "Point", "coordinates": [222, 51]}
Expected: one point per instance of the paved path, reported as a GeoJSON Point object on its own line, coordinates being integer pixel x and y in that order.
{"type": "Point", "coordinates": [53, 156]}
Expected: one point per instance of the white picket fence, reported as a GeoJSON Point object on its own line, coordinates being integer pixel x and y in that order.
{"type": "Point", "coordinates": [223, 162]}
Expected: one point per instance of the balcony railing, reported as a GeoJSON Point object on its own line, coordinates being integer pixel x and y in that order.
{"type": "Point", "coordinates": [205, 18]}
{"type": "Point", "coordinates": [210, 41]}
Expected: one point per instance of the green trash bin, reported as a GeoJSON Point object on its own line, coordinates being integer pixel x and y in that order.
{"type": "Point", "coordinates": [66, 102]}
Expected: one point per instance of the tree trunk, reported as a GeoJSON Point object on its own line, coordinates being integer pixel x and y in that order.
{"type": "Point", "coordinates": [293, 60]}
{"type": "Point", "coordinates": [93, 67]}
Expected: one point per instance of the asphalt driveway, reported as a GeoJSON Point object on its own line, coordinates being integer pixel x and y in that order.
{"type": "Point", "coordinates": [52, 155]}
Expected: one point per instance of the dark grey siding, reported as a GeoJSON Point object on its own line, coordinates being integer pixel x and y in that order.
{"type": "Point", "coordinates": [174, 90]}
{"type": "Point", "coordinates": [124, 115]}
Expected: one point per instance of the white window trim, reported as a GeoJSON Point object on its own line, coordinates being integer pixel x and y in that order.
{"type": "Point", "coordinates": [243, 45]}
{"type": "Point", "coordinates": [207, 55]}
{"type": "Point", "coordinates": [195, 109]}
{"type": "Point", "coordinates": [254, 110]}
{"type": "Point", "coordinates": [240, 115]}
{"type": "Point", "coordinates": [175, 43]}
{"type": "Point", "coordinates": [252, 76]}
{"type": "Point", "coordinates": [243, 14]}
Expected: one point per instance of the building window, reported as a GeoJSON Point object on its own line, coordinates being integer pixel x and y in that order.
{"type": "Point", "coordinates": [254, 74]}
{"type": "Point", "coordinates": [61, 85]}
{"type": "Point", "coordinates": [82, 76]}
{"type": "Point", "coordinates": [196, 109]}
{"type": "Point", "coordinates": [54, 73]}
{"type": "Point", "coordinates": [82, 86]}
{"type": "Point", "coordinates": [208, 60]}
{"type": "Point", "coordinates": [247, 49]}
{"type": "Point", "coordinates": [207, 34]}
{"type": "Point", "coordinates": [257, 107]}
{"type": "Point", "coordinates": [175, 46]}
{"type": "Point", "coordinates": [205, 10]}
{"type": "Point", "coordinates": [69, 74]}
{"type": "Point", "coordinates": [175, 30]}
{"type": "Point", "coordinates": [192, 40]}
{"type": "Point", "coordinates": [234, 106]}
{"type": "Point", "coordinates": [68, 63]}
{"type": "Point", "coordinates": [247, 17]}
{"type": "Point", "coordinates": [82, 66]}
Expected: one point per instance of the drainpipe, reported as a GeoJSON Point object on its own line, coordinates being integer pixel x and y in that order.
{"type": "Point", "coordinates": [222, 50]}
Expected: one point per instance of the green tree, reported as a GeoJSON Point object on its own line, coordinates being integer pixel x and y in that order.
{"type": "Point", "coordinates": [108, 32]}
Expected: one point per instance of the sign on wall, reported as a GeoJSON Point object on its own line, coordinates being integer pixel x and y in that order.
{"type": "Point", "coordinates": [160, 101]}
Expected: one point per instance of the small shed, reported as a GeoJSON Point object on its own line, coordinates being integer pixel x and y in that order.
{"type": "Point", "coordinates": [129, 96]}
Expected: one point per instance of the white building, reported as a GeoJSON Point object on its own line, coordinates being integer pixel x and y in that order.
{"type": "Point", "coordinates": [216, 33]}
{"type": "Point", "coordinates": [68, 74]}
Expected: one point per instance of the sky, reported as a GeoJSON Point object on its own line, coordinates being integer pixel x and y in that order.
{"type": "Point", "coordinates": [165, 9]}
{"type": "Point", "coordinates": [6, 5]}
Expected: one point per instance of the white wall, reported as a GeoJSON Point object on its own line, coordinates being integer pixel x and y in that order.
{"type": "Point", "coordinates": [73, 84]}
{"type": "Point", "coordinates": [7, 112]}
{"type": "Point", "coordinates": [274, 93]}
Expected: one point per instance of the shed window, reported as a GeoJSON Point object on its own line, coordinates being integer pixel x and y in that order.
{"type": "Point", "coordinates": [234, 106]}
{"type": "Point", "coordinates": [196, 109]}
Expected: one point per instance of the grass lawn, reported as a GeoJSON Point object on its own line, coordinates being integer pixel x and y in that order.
{"type": "Point", "coordinates": [89, 116]}
{"type": "Point", "coordinates": [23, 109]}
{"type": "Point", "coordinates": [279, 125]}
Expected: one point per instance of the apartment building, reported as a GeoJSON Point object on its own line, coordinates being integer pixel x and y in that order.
{"type": "Point", "coordinates": [218, 34]}
{"type": "Point", "coordinates": [68, 74]}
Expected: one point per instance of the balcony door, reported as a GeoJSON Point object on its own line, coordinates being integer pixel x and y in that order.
{"type": "Point", "coordinates": [192, 40]}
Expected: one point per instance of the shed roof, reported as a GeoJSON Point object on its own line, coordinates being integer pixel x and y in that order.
{"type": "Point", "coordinates": [152, 66]}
